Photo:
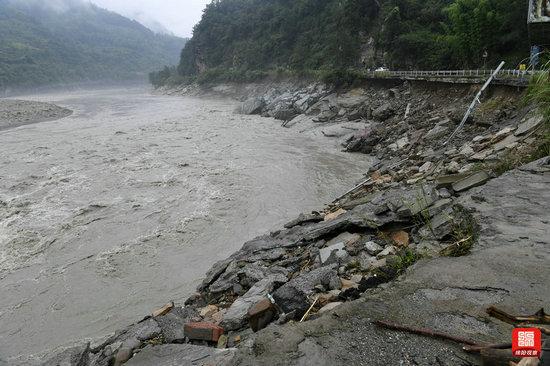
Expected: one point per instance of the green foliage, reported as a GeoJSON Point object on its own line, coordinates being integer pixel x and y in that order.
{"type": "Point", "coordinates": [334, 39]}
{"type": "Point", "coordinates": [40, 45]}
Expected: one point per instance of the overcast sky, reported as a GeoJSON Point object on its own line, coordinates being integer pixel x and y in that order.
{"type": "Point", "coordinates": [178, 16]}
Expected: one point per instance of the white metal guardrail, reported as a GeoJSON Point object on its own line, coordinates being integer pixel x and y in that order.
{"type": "Point", "coordinates": [519, 74]}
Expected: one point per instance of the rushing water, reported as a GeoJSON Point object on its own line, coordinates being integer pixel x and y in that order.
{"type": "Point", "coordinates": [110, 213]}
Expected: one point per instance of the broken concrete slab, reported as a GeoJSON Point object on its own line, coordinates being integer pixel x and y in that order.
{"type": "Point", "coordinates": [373, 248]}
{"type": "Point", "coordinates": [237, 314]}
{"type": "Point", "coordinates": [335, 253]}
{"type": "Point", "coordinates": [304, 219]}
{"type": "Point", "coordinates": [474, 180]}
{"type": "Point", "coordinates": [446, 181]}
{"type": "Point", "coordinates": [293, 296]}
{"type": "Point", "coordinates": [171, 324]}
{"type": "Point", "coordinates": [181, 354]}
{"type": "Point", "coordinates": [530, 125]}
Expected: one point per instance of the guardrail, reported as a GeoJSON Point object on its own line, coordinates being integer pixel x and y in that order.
{"type": "Point", "coordinates": [519, 74]}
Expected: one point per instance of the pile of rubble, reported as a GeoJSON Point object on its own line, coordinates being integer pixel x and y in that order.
{"type": "Point", "coordinates": [405, 210]}
{"type": "Point", "coordinates": [316, 263]}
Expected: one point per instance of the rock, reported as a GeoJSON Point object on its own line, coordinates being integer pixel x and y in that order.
{"type": "Point", "coordinates": [436, 132]}
{"type": "Point", "coordinates": [373, 248]}
{"type": "Point", "coordinates": [507, 143]}
{"type": "Point", "coordinates": [346, 284]}
{"type": "Point", "coordinates": [328, 297]}
{"type": "Point", "coordinates": [400, 238]}
{"type": "Point", "coordinates": [334, 215]}
{"type": "Point", "coordinates": [440, 226]}
{"type": "Point", "coordinates": [529, 125]}
{"type": "Point", "coordinates": [181, 354]}
{"type": "Point", "coordinates": [164, 310]}
{"type": "Point", "coordinates": [252, 106]}
{"type": "Point", "coordinates": [503, 133]}
{"type": "Point", "coordinates": [466, 151]}
{"type": "Point", "coordinates": [402, 142]}
{"type": "Point", "coordinates": [171, 324]}
{"type": "Point", "coordinates": [202, 331]}
{"type": "Point", "coordinates": [261, 314]}
{"type": "Point", "coordinates": [284, 114]}
{"type": "Point", "coordinates": [237, 314]}
{"type": "Point", "coordinates": [208, 310]}
{"type": "Point", "coordinates": [472, 181]}
{"type": "Point", "coordinates": [446, 181]}
{"type": "Point", "coordinates": [214, 272]}
{"type": "Point", "coordinates": [426, 167]}
{"type": "Point", "coordinates": [293, 295]}
{"type": "Point", "coordinates": [334, 254]}
{"type": "Point", "coordinates": [305, 219]}
{"type": "Point", "coordinates": [76, 356]}
{"type": "Point", "coordinates": [383, 112]}
{"type": "Point", "coordinates": [329, 307]}
{"type": "Point", "coordinates": [222, 342]}
{"type": "Point", "coordinates": [123, 355]}
{"type": "Point", "coordinates": [444, 193]}
{"type": "Point", "coordinates": [391, 250]}
{"type": "Point", "coordinates": [453, 167]}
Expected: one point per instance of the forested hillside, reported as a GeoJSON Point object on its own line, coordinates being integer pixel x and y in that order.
{"type": "Point", "coordinates": [76, 41]}
{"type": "Point", "coordinates": [249, 37]}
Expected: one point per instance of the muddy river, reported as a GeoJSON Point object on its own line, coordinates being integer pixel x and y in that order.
{"type": "Point", "coordinates": [111, 212]}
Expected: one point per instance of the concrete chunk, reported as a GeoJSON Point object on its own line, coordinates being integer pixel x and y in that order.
{"type": "Point", "coordinates": [475, 180]}
{"type": "Point", "coordinates": [529, 125]}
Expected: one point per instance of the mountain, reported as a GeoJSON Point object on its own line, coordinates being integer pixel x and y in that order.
{"type": "Point", "coordinates": [60, 41]}
{"type": "Point", "coordinates": [241, 36]}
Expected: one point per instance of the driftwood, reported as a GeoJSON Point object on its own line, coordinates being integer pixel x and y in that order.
{"type": "Point", "coordinates": [425, 332]}
{"type": "Point", "coordinates": [469, 346]}
{"type": "Point", "coordinates": [540, 317]}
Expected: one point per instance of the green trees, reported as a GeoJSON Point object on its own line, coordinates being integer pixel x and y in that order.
{"type": "Point", "coordinates": [239, 37]}
{"type": "Point", "coordinates": [40, 45]}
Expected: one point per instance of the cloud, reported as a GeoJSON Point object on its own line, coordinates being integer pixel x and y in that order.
{"type": "Point", "coordinates": [178, 16]}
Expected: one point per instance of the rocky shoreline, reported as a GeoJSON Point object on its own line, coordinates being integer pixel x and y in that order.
{"type": "Point", "coordinates": [15, 113]}
{"type": "Point", "coordinates": [436, 233]}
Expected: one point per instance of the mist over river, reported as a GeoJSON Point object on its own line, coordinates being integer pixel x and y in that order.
{"type": "Point", "coordinates": [113, 211]}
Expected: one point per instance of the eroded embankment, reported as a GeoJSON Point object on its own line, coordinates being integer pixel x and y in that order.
{"type": "Point", "coordinates": [14, 113]}
{"type": "Point", "coordinates": [472, 237]}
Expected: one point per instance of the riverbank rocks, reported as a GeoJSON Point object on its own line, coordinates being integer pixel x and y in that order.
{"type": "Point", "coordinates": [406, 209]}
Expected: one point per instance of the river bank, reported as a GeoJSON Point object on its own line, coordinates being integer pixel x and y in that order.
{"type": "Point", "coordinates": [425, 241]}
{"type": "Point", "coordinates": [15, 113]}
{"type": "Point", "coordinates": [124, 205]}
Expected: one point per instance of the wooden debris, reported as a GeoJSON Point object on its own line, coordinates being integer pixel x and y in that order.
{"type": "Point", "coordinates": [164, 310]}
{"type": "Point", "coordinates": [425, 332]}
{"type": "Point", "coordinates": [540, 317]}
{"type": "Point", "coordinates": [309, 310]}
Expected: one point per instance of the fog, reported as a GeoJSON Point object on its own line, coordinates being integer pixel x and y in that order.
{"type": "Point", "coordinates": [177, 16]}
{"type": "Point", "coordinates": [169, 16]}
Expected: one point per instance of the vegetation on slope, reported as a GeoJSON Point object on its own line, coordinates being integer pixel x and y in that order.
{"type": "Point", "coordinates": [244, 39]}
{"type": "Point", "coordinates": [76, 42]}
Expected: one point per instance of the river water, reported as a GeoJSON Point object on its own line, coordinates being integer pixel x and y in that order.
{"type": "Point", "coordinates": [112, 212]}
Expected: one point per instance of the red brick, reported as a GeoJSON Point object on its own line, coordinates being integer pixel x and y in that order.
{"type": "Point", "coordinates": [203, 331]}
{"type": "Point", "coordinates": [261, 314]}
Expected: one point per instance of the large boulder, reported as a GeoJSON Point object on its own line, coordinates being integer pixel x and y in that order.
{"type": "Point", "coordinates": [383, 112]}
{"type": "Point", "coordinates": [237, 314]}
{"type": "Point", "coordinates": [252, 106]}
{"type": "Point", "coordinates": [293, 296]}
{"type": "Point", "coordinates": [76, 356]}
{"type": "Point", "coordinates": [181, 354]}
